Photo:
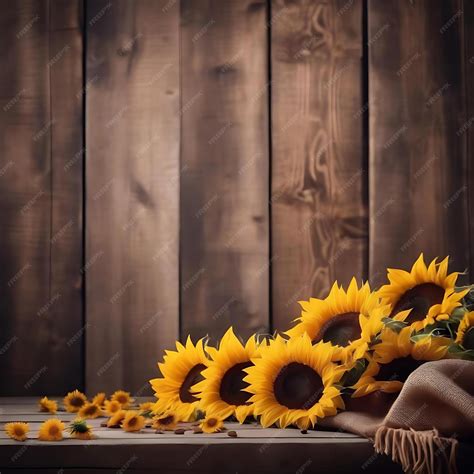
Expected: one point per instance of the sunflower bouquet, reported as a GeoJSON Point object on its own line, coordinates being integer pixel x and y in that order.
{"type": "Point", "coordinates": [346, 346]}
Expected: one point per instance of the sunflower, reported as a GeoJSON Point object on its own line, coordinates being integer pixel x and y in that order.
{"type": "Point", "coordinates": [99, 399]}
{"type": "Point", "coordinates": [133, 421]}
{"type": "Point", "coordinates": [90, 410]}
{"type": "Point", "coordinates": [116, 419]}
{"type": "Point", "coordinates": [112, 406]}
{"type": "Point", "coordinates": [166, 421]}
{"type": "Point", "coordinates": [51, 430]}
{"type": "Point", "coordinates": [147, 406]}
{"type": "Point", "coordinates": [17, 430]}
{"type": "Point", "coordinates": [294, 382]}
{"type": "Point", "coordinates": [181, 370]}
{"type": "Point", "coordinates": [123, 398]}
{"type": "Point", "coordinates": [395, 357]}
{"type": "Point", "coordinates": [222, 390]}
{"type": "Point", "coordinates": [348, 320]}
{"type": "Point", "coordinates": [429, 292]}
{"type": "Point", "coordinates": [73, 401]}
{"type": "Point", "coordinates": [48, 406]}
{"type": "Point", "coordinates": [211, 424]}
{"type": "Point", "coordinates": [79, 429]}
{"type": "Point", "coordinates": [465, 332]}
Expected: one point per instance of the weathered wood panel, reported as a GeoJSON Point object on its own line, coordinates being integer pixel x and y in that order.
{"type": "Point", "coordinates": [32, 341]}
{"type": "Point", "coordinates": [468, 34]}
{"type": "Point", "coordinates": [132, 170]}
{"type": "Point", "coordinates": [418, 188]}
{"type": "Point", "coordinates": [319, 175]}
{"type": "Point", "coordinates": [224, 164]}
{"type": "Point", "coordinates": [65, 330]}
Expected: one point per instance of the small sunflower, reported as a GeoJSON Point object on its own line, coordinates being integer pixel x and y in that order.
{"type": "Point", "coordinates": [211, 424]}
{"type": "Point", "coordinates": [347, 320]}
{"type": "Point", "coordinates": [112, 406]}
{"type": "Point", "coordinates": [51, 430]}
{"type": "Point", "coordinates": [181, 370]}
{"type": "Point", "coordinates": [133, 421]}
{"type": "Point", "coordinates": [48, 406]}
{"type": "Point", "coordinates": [90, 410]}
{"type": "Point", "coordinates": [79, 429]}
{"type": "Point", "coordinates": [167, 421]}
{"type": "Point", "coordinates": [123, 398]}
{"type": "Point", "coordinates": [116, 419]}
{"type": "Point", "coordinates": [222, 391]}
{"type": "Point", "coordinates": [99, 399]}
{"type": "Point", "coordinates": [429, 292]}
{"type": "Point", "coordinates": [147, 406]}
{"type": "Point", "coordinates": [465, 332]}
{"type": "Point", "coordinates": [73, 401]}
{"type": "Point", "coordinates": [17, 430]}
{"type": "Point", "coordinates": [294, 382]}
{"type": "Point", "coordinates": [395, 357]}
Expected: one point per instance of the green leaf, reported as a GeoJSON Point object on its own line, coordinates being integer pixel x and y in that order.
{"type": "Point", "coordinates": [394, 325]}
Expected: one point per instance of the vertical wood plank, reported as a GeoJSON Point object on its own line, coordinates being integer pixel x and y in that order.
{"type": "Point", "coordinates": [132, 192]}
{"type": "Point", "coordinates": [65, 65]}
{"type": "Point", "coordinates": [319, 174]}
{"type": "Point", "coordinates": [418, 190]}
{"type": "Point", "coordinates": [468, 35]}
{"type": "Point", "coordinates": [32, 343]}
{"type": "Point", "coordinates": [224, 163]}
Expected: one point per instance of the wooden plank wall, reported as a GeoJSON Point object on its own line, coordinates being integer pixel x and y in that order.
{"type": "Point", "coordinates": [41, 199]}
{"type": "Point", "coordinates": [239, 156]}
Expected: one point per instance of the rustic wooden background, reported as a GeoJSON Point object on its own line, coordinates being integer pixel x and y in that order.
{"type": "Point", "coordinates": [176, 166]}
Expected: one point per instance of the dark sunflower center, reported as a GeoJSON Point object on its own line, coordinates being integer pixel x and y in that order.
{"type": "Point", "coordinates": [211, 422]}
{"type": "Point", "coordinates": [19, 431]}
{"type": "Point", "coordinates": [398, 369]}
{"type": "Point", "coordinates": [90, 410]}
{"type": "Point", "coordinates": [53, 430]}
{"type": "Point", "coordinates": [76, 401]}
{"type": "Point", "coordinates": [420, 298]}
{"type": "Point", "coordinates": [340, 330]}
{"type": "Point", "coordinates": [468, 339]}
{"type": "Point", "coordinates": [232, 385]}
{"type": "Point", "coordinates": [132, 421]}
{"type": "Point", "coordinates": [167, 420]}
{"type": "Point", "coordinates": [297, 386]}
{"type": "Point", "coordinates": [194, 376]}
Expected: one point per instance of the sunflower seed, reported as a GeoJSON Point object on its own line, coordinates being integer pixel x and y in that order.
{"type": "Point", "coordinates": [179, 431]}
{"type": "Point", "coordinates": [232, 434]}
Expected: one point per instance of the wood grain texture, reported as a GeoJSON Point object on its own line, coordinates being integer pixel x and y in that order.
{"type": "Point", "coordinates": [468, 35]}
{"type": "Point", "coordinates": [319, 175]}
{"type": "Point", "coordinates": [224, 163]}
{"type": "Point", "coordinates": [418, 188]}
{"type": "Point", "coordinates": [34, 283]}
{"type": "Point", "coordinates": [132, 135]}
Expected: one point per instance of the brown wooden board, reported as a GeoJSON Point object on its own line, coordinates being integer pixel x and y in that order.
{"type": "Point", "coordinates": [418, 187]}
{"type": "Point", "coordinates": [224, 168]}
{"type": "Point", "coordinates": [319, 174]}
{"type": "Point", "coordinates": [39, 120]}
{"type": "Point", "coordinates": [132, 192]}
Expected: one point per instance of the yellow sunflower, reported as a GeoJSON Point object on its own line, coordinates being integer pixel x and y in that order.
{"type": "Point", "coordinates": [79, 429]}
{"type": "Point", "coordinates": [133, 421]}
{"type": "Point", "coordinates": [99, 399]}
{"type": "Point", "coordinates": [48, 406]}
{"type": "Point", "coordinates": [222, 391]}
{"type": "Point", "coordinates": [147, 406]}
{"type": "Point", "coordinates": [17, 430]}
{"type": "Point", "coordinates": [116, 419]}
{"type": "Point", "coordinates": [166, 421]}
{"type": "Point", "coordinates": [429, 292]}
{"type": "Point", "coordinates": [395, 357]}
{"type": "Point", "coordinates": [465, 332]}
{"type": "Point", "coordinates": [90, 410]}
{"type": "Point", "coordinates": [294, 382]}
{"type": "Point", "coordinates": [181, 370]}
{"type": "Point", "coordinates": [347, 320]}
{"type": "Point", "coordinates": [123, 398]}
{"type": "Point", "coordinates": [212, 424]}
{"type": "Point", "coordinates": [112, 406]}
{"type": "Point", "coordinates": [74, 400]}
{"type": "Point", "coordinates": [51, 430]}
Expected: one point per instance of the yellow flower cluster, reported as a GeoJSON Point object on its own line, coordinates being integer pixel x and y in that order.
{"type": "Point", "coordinates": [351, 343]}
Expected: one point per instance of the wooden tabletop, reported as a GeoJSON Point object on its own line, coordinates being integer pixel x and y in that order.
{"type": "Point", "coordinates": [253, 450]}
